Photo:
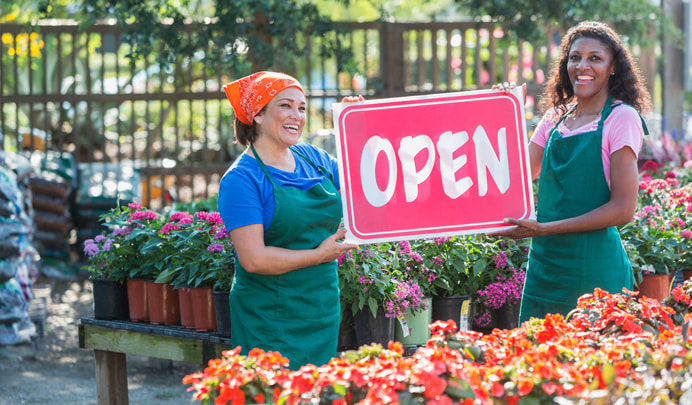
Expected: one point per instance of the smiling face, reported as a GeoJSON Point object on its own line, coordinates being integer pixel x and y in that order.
{"type": "Point", "coordinates": [589, 65]}
{"type": "Point", "coordinates": [283, 118]}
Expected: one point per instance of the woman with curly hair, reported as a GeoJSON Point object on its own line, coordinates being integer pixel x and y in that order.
{"type": "Point", "coordinates": [584, 152]}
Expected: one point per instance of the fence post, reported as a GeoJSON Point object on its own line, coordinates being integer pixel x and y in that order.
{"type": "Point", "coordinates": [392, 59]}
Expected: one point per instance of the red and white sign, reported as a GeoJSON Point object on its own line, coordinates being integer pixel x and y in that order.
{"type": "Point", "coordinates": [428, 166]}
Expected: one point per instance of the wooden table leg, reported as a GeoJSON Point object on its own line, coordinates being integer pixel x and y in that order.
{"type": "Point", "coordinates": [111, 378]}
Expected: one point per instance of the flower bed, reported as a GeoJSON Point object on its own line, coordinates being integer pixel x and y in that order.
{"type": "Point", "coordinates": [613, 348]}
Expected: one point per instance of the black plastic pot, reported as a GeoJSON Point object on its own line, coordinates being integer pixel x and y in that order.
{"type": "Point", "coordinates": [458, 308]}
{"type": "Point", "coordinates": [369, 329]}
{"type": "Point", "coordinates": [223, 313]}
{"type": "Point", "coordinates": [347, 333]}
{"type": "Point", "coordinates": [110, 300]}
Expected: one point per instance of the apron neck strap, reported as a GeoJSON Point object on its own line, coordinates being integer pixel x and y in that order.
{"type": "Point", "coordinates": [262, 165]}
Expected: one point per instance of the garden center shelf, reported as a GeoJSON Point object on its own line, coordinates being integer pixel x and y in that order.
{"type": "Point", "coordinates": [113, 340]}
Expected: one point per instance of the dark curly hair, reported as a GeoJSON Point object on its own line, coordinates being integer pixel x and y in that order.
{"type": "Point", "coordinates": [626, 84]}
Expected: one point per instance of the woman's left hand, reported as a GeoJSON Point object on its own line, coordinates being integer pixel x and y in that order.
{"type": "Point", "coordinates": [352, 99]}
{"type": "Point", "coordinates": [525, 228]}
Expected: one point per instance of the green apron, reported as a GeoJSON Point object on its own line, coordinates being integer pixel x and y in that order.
{"type": "Point", "coordinates": [565, 266]}
{"type": "Point", "coordinates": [296, 313]}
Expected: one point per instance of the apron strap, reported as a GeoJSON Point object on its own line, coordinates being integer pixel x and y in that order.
{"type": "Point", "coordinates": [644, 127]}
{"type": "Point", "coordinates": [261, 163]}
{"type": "Point", "coordinates": [321, 169]}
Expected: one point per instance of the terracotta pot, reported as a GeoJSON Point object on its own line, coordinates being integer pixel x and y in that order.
{"type": "Point", "coordinates": [164, 308]}
{"type": "Point", "coordinates": [686, 274]}
{"type": "Point", "coordinates": [203, 308]}
{"type": "Point", "coordinates": [187, 316]}
{"type": "Point", "coordinates": [137, 299]}
{"type": "Point", "coordinates": [655, 286]}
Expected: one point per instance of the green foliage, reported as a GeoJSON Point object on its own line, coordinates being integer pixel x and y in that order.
{"type": "Point", "coordinates": [240, 35]}
{"type": "Point", "coordinates": [529, 18]}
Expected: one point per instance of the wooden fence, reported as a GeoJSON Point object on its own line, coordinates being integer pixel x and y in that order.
{"type": "Point", "coordinates": [71, 91]}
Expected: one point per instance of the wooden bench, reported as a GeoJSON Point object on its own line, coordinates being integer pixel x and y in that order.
{"type": "Point", "coordinates": [113, 340]}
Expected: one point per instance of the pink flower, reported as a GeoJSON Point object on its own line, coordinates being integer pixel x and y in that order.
{"type": "Point", "coordinates": [168, 227]}
{"type": "Point", "coordinates": [213, 217]}
{"type": "Point", "coordinates": [134, 206]}
{"type": "Point", "coordinates": [178, 216]}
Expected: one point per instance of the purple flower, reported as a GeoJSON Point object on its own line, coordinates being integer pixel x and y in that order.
{"type": "Point", "coordinates": [99, 238]}
{"type": "Point", "coordinates": [125, 231]}
{"type": "Point", "coordinates": [107, 245]}
{"type": "Point", "coordinates": [91, 249]}
{"type": "Point", "coordinates": [215, 247]}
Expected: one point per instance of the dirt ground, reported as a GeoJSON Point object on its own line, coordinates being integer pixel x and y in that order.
{"type": "Point", "coordinates": [54, 370]}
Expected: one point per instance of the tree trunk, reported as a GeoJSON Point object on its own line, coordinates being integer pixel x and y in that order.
{"type": "Point", "coordinates": [673, 77]}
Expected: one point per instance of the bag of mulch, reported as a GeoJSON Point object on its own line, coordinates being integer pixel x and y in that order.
{"type": "Point", "coordinates": [19, 164]}
{"type": "Point", "coordinates": [48, 221]}
{"type": "Point", "coordinates": [11, 238]}
{"type": "Point", "coordinates": [49, 203]}
{"type": "Point", "coordinates": [13, 304]}
{"type": "Point", "coordinates": [10, 197]}
{"type": "Point", "coordinates": [50, 184]}
{"type": "Point", "coordinates": [7, 269]}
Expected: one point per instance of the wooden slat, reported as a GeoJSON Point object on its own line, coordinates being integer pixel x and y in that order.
{"type": "Point", "coordinates": [137, 343]}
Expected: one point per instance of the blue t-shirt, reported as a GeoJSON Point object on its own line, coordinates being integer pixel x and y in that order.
{"type": "Point", "coordinates": [246, 195]}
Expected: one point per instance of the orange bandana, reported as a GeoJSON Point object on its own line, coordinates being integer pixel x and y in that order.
{"type": "Point", "coordinates": [250, 94]}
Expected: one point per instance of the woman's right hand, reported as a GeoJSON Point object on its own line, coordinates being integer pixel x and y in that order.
{"type": "Point", "coordinates": [331, 249]}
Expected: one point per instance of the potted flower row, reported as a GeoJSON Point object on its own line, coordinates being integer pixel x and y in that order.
{"type": "Point", "coordinates": [394, 290]}
{"type": "Point", "coordinates": [659, 239]}
{"type": "Point", "coordinates": [183, 262]}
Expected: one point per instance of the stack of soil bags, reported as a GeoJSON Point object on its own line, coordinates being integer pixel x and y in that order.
{"type": "Point", "coordinates": [18, 258]}
{"type": "Point", "coordinates": [52, 187]}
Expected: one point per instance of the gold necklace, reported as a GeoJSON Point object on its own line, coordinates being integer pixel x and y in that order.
{"type": "Point", "coordinates": [573, 115]}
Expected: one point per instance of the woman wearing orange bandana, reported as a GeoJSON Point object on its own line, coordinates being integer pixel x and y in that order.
{"type": "Point", "coordinates": [280, 203]}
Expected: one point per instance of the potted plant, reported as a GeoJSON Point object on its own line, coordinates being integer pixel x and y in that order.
{"type": "Point", "coordinates": [365, 283]}
{"type": "Point", "coordinates": [452, 292]}
{"type": "Point", "coordinates": [108, 277]}
{"type": "Point", "coordinates": [652, 239]}
{"type": "Point", "coordinates": [130, 228]}
{"type": "Point", "coordinates": [411, 301]}
{"type": "Point", "coordinates": [501, 266]}
{"type": "Point", "coordinates": [203, 260]}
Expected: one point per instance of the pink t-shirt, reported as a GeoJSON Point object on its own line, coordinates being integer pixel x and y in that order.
{"type": "Point", "coordinates": [622, 128]}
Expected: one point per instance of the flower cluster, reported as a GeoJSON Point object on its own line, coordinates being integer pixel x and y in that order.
{"type": "Point", "coordinates": [612, 346]}
{"type": "Point", "coordinates": [187, 249]}
{"type": "Point", "coordinates": [659, 238]}
{"type": "Point", "coordinates": [407, 297]}
{"type": "Point", "coordinates": [680, 300]}
{"type": "Point", "coordinates": [201, 251]}
{"type": "Point", "coordinates": [506, 290]}
{"type": "Point", "coordinates": [101, 254]}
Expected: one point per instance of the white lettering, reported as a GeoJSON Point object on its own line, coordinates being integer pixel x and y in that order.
{"type": "Point", "coordinates": [487, 160]}
{"type": "Point", "coordinates": [368, 159]}
{"type": "Point", "coordinates": [408, 149]}
{"type": "Point", "coordinates": [446, 146]}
